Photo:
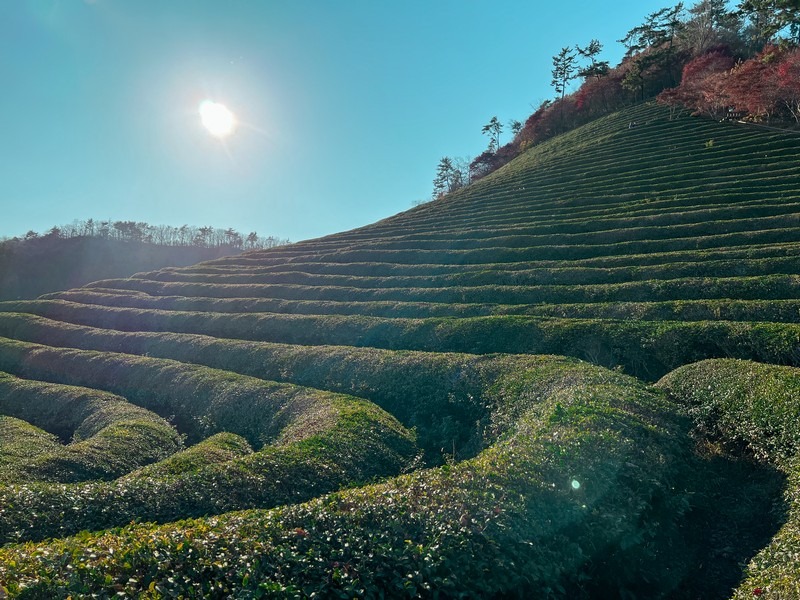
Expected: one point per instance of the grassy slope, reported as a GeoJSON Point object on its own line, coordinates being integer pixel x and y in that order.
{"type": "Point", "coordinates": [645, 248]}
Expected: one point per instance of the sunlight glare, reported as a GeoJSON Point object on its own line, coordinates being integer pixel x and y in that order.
{"type": "Point", "coordinates": [217, 118]}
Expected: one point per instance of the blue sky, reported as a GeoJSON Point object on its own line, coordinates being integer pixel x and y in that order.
{"type": "Point", "coordinates": [345, 107]}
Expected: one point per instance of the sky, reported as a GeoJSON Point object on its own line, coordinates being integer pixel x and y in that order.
{"type": "Point", "coordinates": [344, 107]}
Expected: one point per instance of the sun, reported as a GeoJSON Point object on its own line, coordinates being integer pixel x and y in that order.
{"type": "Point", "coordinates": [217, 118]}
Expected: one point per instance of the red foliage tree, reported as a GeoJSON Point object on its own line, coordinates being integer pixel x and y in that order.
{"type": "Point", "coordinates": [599, 96]}
{"type": "Point", "coordinates": [550, 119]}
{"type": "Point", "coordinates": [752, 86]}
{"type": "Point", "coordinates": [766, 86]}
{"type": "Point", "coordinates": [788, 82]}
{"type": "Point", "coordinates": [490, 161]}
{"type": "Point", "coordinates": [702, 87]}
{"type": "Point", "coordinates": [537, 127]}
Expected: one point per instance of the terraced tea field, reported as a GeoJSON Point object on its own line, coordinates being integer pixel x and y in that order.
{"type": "Point", "coordinates": [457, 401]}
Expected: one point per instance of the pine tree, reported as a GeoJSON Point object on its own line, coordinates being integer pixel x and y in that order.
{"type": "Point", "coordinates": [563, 70]}
{"type": "Point", "coordinates": [493, 129]}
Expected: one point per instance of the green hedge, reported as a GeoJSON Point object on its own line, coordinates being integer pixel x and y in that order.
{"type": "Point", "coordinates": [106, 435]}
{"type": "Point", "coordinates": [566, 275]}
{"type": "Point", "coordinates": [576, 500]}
{"type": "Point", "coordinates": [685, 288]}
{"type": "Point", "coordinates": [783, 311]}
{"type": "Point", "coordinates": [755, 407]}
{"type": "Point", "coordinates": [356, 253]}
{"type": "Point", "coordinates": [275, 305]}
{"type": "Point", "coordinates": [646, 349]}
{"type": "Point", "coordinates": [200, 401]}
{"type": "Point", "coordinates": [385, 269]}
{"type": "Point", "coordinates": [310, 442]}
{"type": "Point", "coordinates": [447, 398]}
{"type": "Point", "coordinates": [329, 445]}
{"type": "Point", "coordinates": [21, 442]}
{"type": "Point", "coordinates": [751, 404]}
{"type": "Point", "coordinates": [776, 311]}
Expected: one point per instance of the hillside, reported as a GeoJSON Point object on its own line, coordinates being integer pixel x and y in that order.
{"type": "Point", "coordinates": [31, 268]}
{"type": "Point", "coordinates": [456, 400]}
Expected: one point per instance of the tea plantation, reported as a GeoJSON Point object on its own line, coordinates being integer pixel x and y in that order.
{"type": "Point", "coordinates": [578, 377]}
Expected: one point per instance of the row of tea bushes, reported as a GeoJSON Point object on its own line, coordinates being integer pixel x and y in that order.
{"type": "Point", "coordinates": [755, 407]}
{"type": "Point", "coordinates": [199, 400]}
{"type": "Point", "coordinates": [572, 275]}
{"type": "Point", "coordinates": [328, 445]}
{"type": "Point", "coordinates": [647, 349]}
{"type": "Point", "coordinates": [775, 286]}
{"type": "Point", "coordinates": [447, 398]}
{"type": "Point", "coordinates": [781, 311]}
{"type": "Point", "coordinates": [105, 435]}
{"type": "Point", "coordinates": [577, 499]}
{"type": "Point", "coordinates": [313, 264]}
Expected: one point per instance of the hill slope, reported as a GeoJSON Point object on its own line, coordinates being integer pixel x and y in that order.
{"type": "Point", "coordinates": [295, 372]}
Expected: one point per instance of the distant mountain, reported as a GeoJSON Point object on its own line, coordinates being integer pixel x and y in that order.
{"type": "Point", "coordinates": [33, 267]}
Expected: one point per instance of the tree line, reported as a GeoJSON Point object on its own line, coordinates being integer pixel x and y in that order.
{"type": "Point", "coordinates": [160, 235]}
{"type": "Point", "coordinates": [742, 63]}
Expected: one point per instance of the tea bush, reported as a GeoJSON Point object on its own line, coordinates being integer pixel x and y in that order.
{"type": "Point", "coordinates": [558, 506]}
{"type": "Point", "coordinates": [108, 437]}
{"type": "Point", "coordinates": [755, 406]}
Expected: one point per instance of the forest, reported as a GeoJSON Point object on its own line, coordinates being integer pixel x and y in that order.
{"type": "Point", "coordinates": [159, 235]}
{"type": "Point", "coordinates": [83, 251]}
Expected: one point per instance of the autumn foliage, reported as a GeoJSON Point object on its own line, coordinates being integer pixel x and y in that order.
{"type": "Point", "coordinates": [763, 88]}
{"type": "Point", "coordinates": [702, 85]}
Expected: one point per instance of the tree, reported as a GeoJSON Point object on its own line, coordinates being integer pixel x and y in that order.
{"type": "Point", "coordinates": [537, 127]}
{"type": "Point", "coordinates": [461, 165]}
{"type": "Point", "coordinates": [594, 69]}
{"type": "Point", "coordinates": [88, 228]}
{"type": "Point", "coordinates": [599, 96]}
{"type": "Point", "coordinates": [448, 178]}
{"type": "Point", "coordinates": [702, 88]}
{"type": "Point", "coordinates": [659, 28]}
{"type": "Point", "coordinates": [767, 18]}
{"type": "Point", "coordinates": [651, 51]}
{"type": "Point", "coordinates": [515, 126]}
{"type": "Point", "coordinates": [493, 129]}
{"type": "Point", "coordinates": [131, 231]}
{"type": "Point", "coordinates": [752, 86]}
{"type": "Point", "coordinates": [788, 78]}
{"type": "Point", "coordinates": [203, 237]}
{"type": "Point", "coordinates": [233, 238]}
{"type": "Point", "coordinates": [482, 165]}
{"type": "Point", "coordinates": [710, 23]}
{"type": "Point", "coordinates": [442, 175]}
{"type": "Point", "coordinates": [563, 70]}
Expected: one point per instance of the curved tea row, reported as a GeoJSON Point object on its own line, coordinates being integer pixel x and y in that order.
{"type": "Point", "coordinates": [535, 505]}
{"type": "Point", "coordinates": [106, 435]}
